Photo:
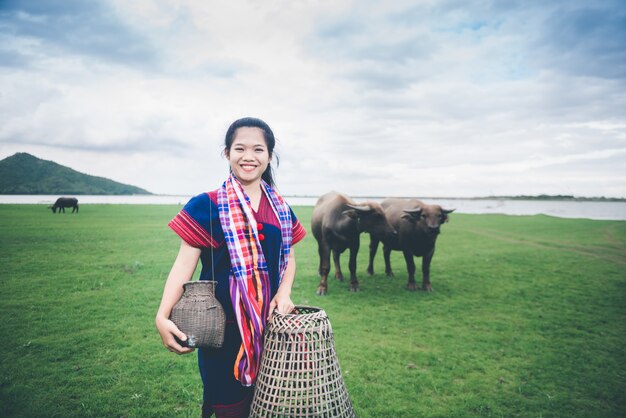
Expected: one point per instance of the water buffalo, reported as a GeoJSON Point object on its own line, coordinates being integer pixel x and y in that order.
{"type": "Point", "coordinates": [336, 223]}
{"type": "Point", "coordinates": [65, 202]}
{"type": "Point", "coordinates": [418, 226]}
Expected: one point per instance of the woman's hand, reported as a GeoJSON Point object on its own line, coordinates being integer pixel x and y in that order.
{"type": "Point", "coordinates": [281, 303]}
{"type": "Point", "coordinates": [182, 270]}
{"type": "Point", "coordinates": [167, 329]}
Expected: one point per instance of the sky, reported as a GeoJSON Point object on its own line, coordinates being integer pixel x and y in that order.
{"type": "Point", "coordinates": [370, 98]}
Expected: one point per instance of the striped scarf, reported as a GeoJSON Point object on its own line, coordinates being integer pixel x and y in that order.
{"type": "Point", "coordinates": [249, 278]}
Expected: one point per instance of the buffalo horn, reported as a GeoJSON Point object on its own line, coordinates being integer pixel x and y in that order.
{"type": "Point", "coordinates": [362, 208]}
{"type": "Point", "coordinates": [415, 211]}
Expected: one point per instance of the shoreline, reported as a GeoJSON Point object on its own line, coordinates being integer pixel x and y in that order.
{"type": "Point", "coordinates": [584, 209]}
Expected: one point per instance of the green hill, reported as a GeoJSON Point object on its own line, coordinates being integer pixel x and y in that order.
{"type": "Point", "coordinates": [23, 173]}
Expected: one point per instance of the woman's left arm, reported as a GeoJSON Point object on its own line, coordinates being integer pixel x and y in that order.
{"type": "Point", "coordinates": [282, 301]}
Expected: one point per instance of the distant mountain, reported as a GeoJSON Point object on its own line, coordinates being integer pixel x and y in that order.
{"type": "Point", "coordinates": [23, 173]}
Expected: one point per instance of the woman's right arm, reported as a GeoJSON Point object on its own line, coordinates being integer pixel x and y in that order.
{"type": "Point", "coordinates": [181, 272]}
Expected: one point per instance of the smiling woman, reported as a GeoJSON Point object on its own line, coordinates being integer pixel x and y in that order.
{"type": "Point", "coordinates": [253, 270]}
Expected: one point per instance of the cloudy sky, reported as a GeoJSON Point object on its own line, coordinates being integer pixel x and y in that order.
{"type": "Point", "coordinates": [401, 98]}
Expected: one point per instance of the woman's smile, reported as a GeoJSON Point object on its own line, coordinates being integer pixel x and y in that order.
{"type": "Point", "coordinates": [248, 167]}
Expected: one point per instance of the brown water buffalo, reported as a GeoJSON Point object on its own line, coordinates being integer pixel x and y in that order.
{"type": "Point", "coordinates": [418, 226]}
{"type": "Point", "coordinates": [337, 222]}
{"type": "Point", "coordinates": [65, 202]}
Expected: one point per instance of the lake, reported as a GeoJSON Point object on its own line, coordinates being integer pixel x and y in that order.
{"type": "Point", "coordinates": [558, 208]}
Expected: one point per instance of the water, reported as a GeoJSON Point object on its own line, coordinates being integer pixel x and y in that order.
{"type": "Point", "coordinates": [558, 208]}
{"type": "Point", "coordinates": [99, 199]}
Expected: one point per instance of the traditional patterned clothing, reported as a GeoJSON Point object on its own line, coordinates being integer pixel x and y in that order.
{"type": "Point", "coordinates": [249, 280]}
{"type": "Point", "coordinates": [260, 245]}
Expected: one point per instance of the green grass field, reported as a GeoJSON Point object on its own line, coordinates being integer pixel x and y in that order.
{"type": "Point", "coordinates": [528, 318]}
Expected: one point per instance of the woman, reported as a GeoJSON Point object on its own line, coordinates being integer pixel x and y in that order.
{"type": "Point", "coordinates": [243, 233]}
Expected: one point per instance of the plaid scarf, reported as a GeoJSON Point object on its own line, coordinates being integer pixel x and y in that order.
{"type": "Point", "coordinates": [249, 278]}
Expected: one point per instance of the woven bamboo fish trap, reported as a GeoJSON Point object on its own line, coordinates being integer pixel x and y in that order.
{"type": "Point", "coordinates": [200, 315]}
{"type": "Point", "coordinates": [299, 375]}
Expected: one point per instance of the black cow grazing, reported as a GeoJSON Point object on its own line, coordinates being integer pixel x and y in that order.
{"type": "Point", "coordinates": [337, 222]}
{"type": "Point", "coordinates": [65, 202]}
{"type": "Point", "coordinates": [418, 226]}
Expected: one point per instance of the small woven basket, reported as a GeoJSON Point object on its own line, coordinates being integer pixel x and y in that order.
{"type": "Point", "coordinates": [200, 315]}
{"type": "Point", "coordinates": [299, 375]}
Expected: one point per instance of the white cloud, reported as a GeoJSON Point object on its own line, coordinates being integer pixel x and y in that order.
{"type": "Point", "coordinates": [435, 98]}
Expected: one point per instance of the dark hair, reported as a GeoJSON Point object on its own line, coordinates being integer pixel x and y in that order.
{"type": "Point", "coordinates": [268, 135]}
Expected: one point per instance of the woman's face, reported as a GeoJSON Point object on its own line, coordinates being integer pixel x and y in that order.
{"type": "Point", "coordinates": [248, 155]}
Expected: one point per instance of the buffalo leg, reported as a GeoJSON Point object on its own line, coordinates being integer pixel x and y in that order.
{"type": "Point", "coordinates": [373, 248]}
{"type": "Point", "coordinates": [354, 283]}
{"type": "Point", "coordinates": [338, 273]}
{"type": "Point", "coordinates": [426, 271]}
{"type": "Point", "coordinates": [324, 253]}
{"type": "Point", "coordinates": [387, 255]}
{"type": "Point", "coordinates": [410, 267]}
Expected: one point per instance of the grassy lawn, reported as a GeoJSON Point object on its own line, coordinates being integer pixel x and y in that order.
{"type": "Point", "coordinates": [528, 318]}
